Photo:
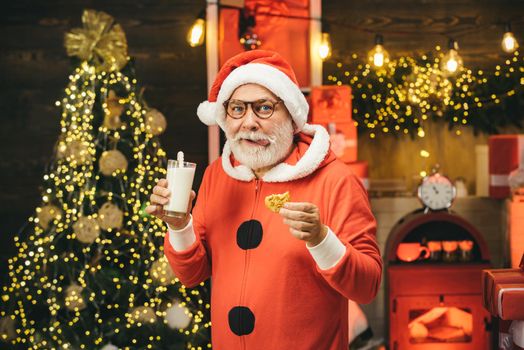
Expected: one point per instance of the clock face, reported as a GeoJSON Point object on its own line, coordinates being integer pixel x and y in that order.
{"type": "Point", "coordinates": [437, 192]}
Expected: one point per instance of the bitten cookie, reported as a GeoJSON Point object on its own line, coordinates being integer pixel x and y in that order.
{"type": "Point", "coordinates": [275, 201]}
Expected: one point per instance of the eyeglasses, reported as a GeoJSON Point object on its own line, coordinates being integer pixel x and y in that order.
{"type": "Point", "coordinates": [263, 109]}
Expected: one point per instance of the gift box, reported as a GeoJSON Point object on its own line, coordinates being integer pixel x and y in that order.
{"type": "Point", "coordinates": [272, 29]}
{"type": "Point", "coordinates": [343, 140]}
{"type": "Point", "coordinates": [505, 153]}
{"type": "Point", "coordinates": [516, 229]}
{"type": "Point", "coordinates": [503, 293]}
{"type": "Point", "coordinates": [509, 301]}
{"type": "Point", "coordinates": [330, 104]}
{"type": "Point", "coordinates": [361, 170]}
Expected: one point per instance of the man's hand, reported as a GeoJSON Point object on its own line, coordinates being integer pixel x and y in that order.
{"type": "Point", "coordinates": [304, 223]}
{"type": "Point", "coordinates": [160, 197]}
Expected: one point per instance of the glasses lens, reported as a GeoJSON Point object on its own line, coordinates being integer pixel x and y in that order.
{"type": "Point", "coordinates": [236, 109]}
{"type": "Point", "coordinates": [263, 108]}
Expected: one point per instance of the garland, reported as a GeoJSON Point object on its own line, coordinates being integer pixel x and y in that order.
{"type": "Point", "coordinates": [398, 98]}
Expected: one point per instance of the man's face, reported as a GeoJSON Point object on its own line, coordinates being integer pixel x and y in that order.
{"type": "Point", "coordinates": [256, 142]}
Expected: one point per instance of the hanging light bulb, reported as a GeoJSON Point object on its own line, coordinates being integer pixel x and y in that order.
{"type": "Point", "coordinates": [378, 56]}
{"type": "Point", "coordinates": [324, 49]}
{"type": "Point", "coordinates": [246, 34]}
{"type": "Point", "coordinates": [452, 62]}
{"type": "Point", "coordinates": [195, 35]}
{"type": "Point", "coordinates": [509, 43]}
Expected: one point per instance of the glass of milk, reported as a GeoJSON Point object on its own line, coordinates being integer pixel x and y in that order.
{"type": "Point", "coordinates": [180, 176]}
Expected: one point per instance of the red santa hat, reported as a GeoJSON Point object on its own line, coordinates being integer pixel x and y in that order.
{"type": "Point", "coordinates": [265, 68]}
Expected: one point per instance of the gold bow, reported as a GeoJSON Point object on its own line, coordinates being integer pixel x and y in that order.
{"type": "Point", "coordinates": [100, 41]}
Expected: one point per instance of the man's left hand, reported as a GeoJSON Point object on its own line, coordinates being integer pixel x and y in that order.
{"type": "Point", "coordinates": [304, 223]}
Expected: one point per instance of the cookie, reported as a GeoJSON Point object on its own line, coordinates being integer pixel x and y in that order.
{"type": "Point", "coordinates": [275, 201]}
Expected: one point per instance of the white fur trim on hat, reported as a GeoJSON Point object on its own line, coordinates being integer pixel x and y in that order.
{"type": "Point", "coordinates": [206, 113]}
{"type": "Point", "coordinates": [271, 78]}
{"type": "Point", "coordinates": [310, 161]}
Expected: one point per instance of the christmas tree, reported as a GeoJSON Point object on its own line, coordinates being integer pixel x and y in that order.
{"type": "Point", "coordinates": [90, 272]}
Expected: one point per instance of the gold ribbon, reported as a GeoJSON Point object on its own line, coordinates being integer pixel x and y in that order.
{"type": "Point", "coordinates": [100, 41]}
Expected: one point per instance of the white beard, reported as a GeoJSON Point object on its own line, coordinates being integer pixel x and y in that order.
{"type": "Point", "coordinates": [258, 157]}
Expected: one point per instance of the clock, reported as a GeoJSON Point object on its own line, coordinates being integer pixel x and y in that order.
{"type": "Point", "coordinates": [437, 192]}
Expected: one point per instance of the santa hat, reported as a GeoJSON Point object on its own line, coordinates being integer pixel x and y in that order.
{"type": "Point", "coordinates": [265, 68]}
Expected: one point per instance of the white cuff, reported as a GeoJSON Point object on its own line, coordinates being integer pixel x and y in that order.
{"type": "Point", "coordinates": [328, 252]}
{"type": "Point", "coordinates": [182, 239]}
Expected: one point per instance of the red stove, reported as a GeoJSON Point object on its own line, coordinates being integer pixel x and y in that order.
{"type": "Point", "coordinates": [434, 262]}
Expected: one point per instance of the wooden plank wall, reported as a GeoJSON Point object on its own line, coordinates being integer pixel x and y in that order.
{"type": "Point", "coordinates": [34, 71]}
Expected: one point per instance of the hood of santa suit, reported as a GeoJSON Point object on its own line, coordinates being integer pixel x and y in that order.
{"type": "Point", "coordinates": [270, 70]}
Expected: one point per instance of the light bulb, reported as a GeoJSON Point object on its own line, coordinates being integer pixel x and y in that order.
{"type": "Point", "coordinates": [378, 56]}
{"type": "Point", "coordinates": [324, 50]}
{"type": "Point", "coordinates": [509, 43]}
{"type": "Point", "coordinates": [451, 62]}
{"type": "Point", "coordinates": [195, 36]}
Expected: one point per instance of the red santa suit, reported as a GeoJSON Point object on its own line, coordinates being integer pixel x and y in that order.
{"type": "Point", "coordinates": [270, 290]}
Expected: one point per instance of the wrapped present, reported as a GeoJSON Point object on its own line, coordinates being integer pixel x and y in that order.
{"type": "Point", "coordinates": [361, 170]}
{"type": "Point", "coordinates": [505, 152]}
{"type": "Point", "coordinates": [343, 140]}
{"type": "Point", "coordinates": [516, 229]}
{"type": "Point", "coordinates": [509, 299]}
{"type": "Point", "coordinates": [503, 292]}
{"type": "Point", "coordinates": [330, 104]}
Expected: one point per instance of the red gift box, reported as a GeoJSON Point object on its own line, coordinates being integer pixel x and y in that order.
{"type": "Point", "coordinates": [343, 140]}
{"type": "Point", "coordinates": [516, 229]}
{"type": "Point", "coordinates": [361, 170]}
{"type": "Point", "coordinates": [504, 156]}
{"type": "Point", "coordinates": [509, 301]}
{"type": "Point", "coordinates": [330, 104]}
{"type": "Point", "coordinates": [503, 292]}
{"type": "Point", "coordinates": [277, 22]}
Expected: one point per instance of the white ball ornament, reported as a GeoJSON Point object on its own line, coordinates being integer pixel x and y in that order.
{"type": "Point", "coordinates": [177, 316]}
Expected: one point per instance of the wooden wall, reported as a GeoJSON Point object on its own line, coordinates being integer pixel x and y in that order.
{"type": "Point", "coordinates": [34, 71]}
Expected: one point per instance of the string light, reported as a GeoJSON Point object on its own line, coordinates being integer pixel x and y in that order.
{"type": "Point", "coordinates": [452, 62]}
{"type": "Point", "coordinates": [405, 92]}
{"type": "Point", "coordinates": [246, 31]}
{"type": "Point", "coordinates": [196, 34]}
{"type": "Point", "coordinates": [324, 49]}
{"type": "Point", "coordinates": [509, 43]}
{"type": "Point", "coordinates": [378, 56]}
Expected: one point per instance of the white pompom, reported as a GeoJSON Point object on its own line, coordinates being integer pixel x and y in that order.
{"type": "Point", "coordinates": [109, 347]}
{"type": "Point", "coordinates": [177, 317]}
{"type": "Point", "coordinates": [206, 111]}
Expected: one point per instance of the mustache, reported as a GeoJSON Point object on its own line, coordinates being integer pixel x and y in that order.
{"type": "Point", "coordinates": [254, 136]}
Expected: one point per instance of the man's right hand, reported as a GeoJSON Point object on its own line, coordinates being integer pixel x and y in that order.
{"type": "Point", "coordinates": [159, 197]}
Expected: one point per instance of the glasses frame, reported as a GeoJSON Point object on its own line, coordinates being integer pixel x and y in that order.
{"type": "Point", "coordinates": [250, 104]}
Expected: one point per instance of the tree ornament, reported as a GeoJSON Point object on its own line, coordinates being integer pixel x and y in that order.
{"type": "Point", "coordinates": [161, 272]}
{"type": "Point", "coordinates": [73, 298]}
{"type": "Point", "coordinates": [100, 42]}
{"type": "Point", "coordinates": [7, 329]}
{"type": "Point", "coordinates": [155, 122]}
{"type": "Point", "coordinates": [110, 216]}
{"type": "Point", "coordinates": [73, 151]}
{"type": "Point", "coordinates": [86, 229]}
{"type": "Point", "coordinates": [177, 316]}
{"type": "Point", "coordinates": [143, 314]}
{"type": "Point", "coordinates": [109, 347]}
{"type": "Point", "coordinates": [111, 161]}
{"type": "Point", "coordinates": [47, 214]}
{"type": "Point", "coordinates": [113, 110]}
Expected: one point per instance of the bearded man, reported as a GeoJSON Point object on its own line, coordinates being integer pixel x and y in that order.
{"type": "Point", "coordinates": [279, 280]}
